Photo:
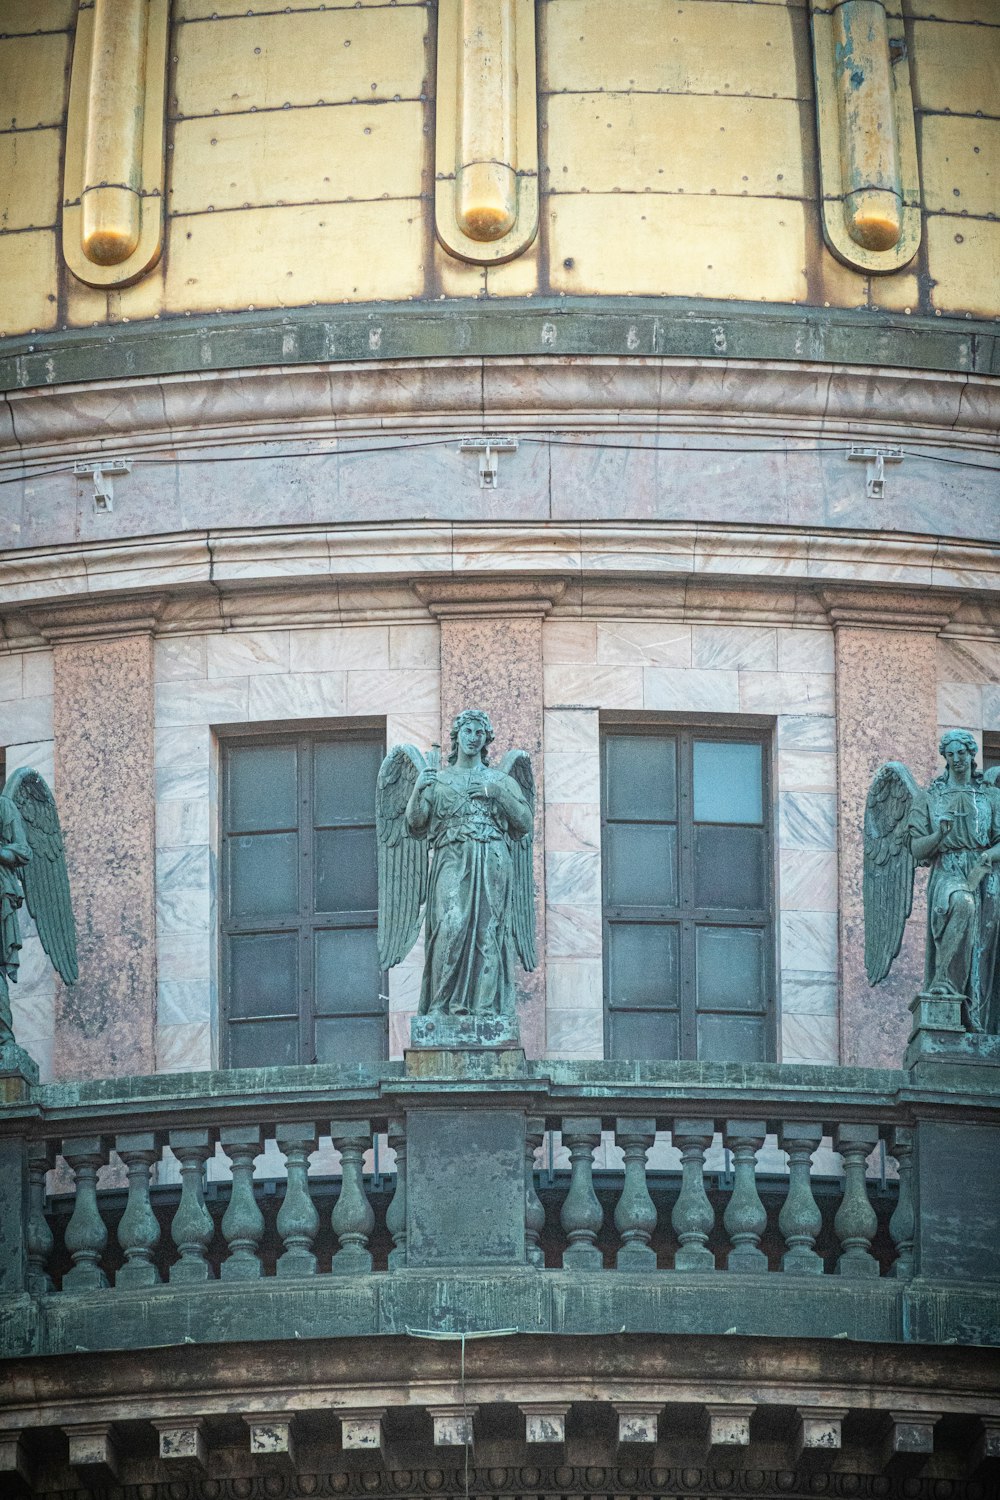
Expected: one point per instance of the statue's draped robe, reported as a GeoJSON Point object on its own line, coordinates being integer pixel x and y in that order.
{"type": "Point", "coordinates": [974, 969]}
{"type": "Point", "coordinates": [469, 962]}
{"type": "Point", "coordinates": [14, 852]}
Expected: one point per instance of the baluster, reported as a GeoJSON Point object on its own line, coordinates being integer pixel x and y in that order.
{"type": "Point", "coordinates": [581, 1215]}
{"type": "Point", "coordinates": [693, 1218]}
{"type": "Point", "coordinates": [856, 1220]}
{"type": "Point", "coordinates": [192, 1226]}
{"type": "Point", "coordinates": [38, 1239]}
{"type": "Point", "coordinates": [745, 1218]}
{"type": "Point", "coordinates": [534, 1213]}
{"type": "Point", "coordinates": [242, 1222]}
{"type": "Point", "coordinates": [902, 1225]}
{"type": "Point", "coordinates": [353, 1217]}
{"type": "Point", "coordinates": [800, 1220]}
{"type": "Point", "coordinates": [395, 1214]}
{"type": "Point", "coordinates": [86, 1235]}
{"type": "Point", "coordinates": [635, 1212]}
{"type": "Point", "coordinates": [138, 1228]}
{"type": "Point", "coordinates": [298, 1220]}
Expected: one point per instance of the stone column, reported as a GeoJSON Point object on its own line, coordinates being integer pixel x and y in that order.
{"type": "Point", "coordinates": [886, 710]}
{"type": "Point", "coordinates": [103, 727]}
{"type": "Point", "coordinates": [491, 658]}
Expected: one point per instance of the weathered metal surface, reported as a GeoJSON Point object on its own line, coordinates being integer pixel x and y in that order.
{"type": "Point", "coordinates": [486, 130]}
{"type": "Point", "coordinates": [113, 190]}
{"type": "Point", "coordinates": [869, 170]}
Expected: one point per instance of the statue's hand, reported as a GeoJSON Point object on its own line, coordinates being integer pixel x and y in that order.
{"type": "Point", "coordinates": [427, 778]}
{"type": "Point", "coordinates": [944, 828]}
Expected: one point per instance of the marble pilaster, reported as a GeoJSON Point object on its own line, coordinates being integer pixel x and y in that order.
{"type": "Point", "coordinates": [491, 658]}
{"type": "Point", "coordinates": [103, 731]}
{"type": "Point", "coordinates": [886, 666]}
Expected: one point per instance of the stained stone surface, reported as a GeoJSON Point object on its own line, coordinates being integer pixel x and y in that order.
{"type": "Point", "coordinates": [104, 770]}
{"type": "Point", "coordinates": [887, 710]}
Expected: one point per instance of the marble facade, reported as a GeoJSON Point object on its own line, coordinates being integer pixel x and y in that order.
{"type": "Point", "coordinates": [391, 668]}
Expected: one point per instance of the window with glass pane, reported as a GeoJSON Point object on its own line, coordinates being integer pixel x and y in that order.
{"type": "Point", "coordinates": [686, 859]}
{"type": "Point", "coordinates": [300, 900]}
{"type": "Point", "coordinates": [991, 752]}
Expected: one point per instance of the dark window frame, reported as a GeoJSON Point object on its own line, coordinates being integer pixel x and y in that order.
{"type": "Point", "coordinates": [686, 729]}
{"type": "Point", "coordinates": [305, 737]}
{"type": "Point", "coordinates": [991, 749]}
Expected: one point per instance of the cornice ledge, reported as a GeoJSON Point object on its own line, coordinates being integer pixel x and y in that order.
{"type": "Point", "coordinates": [98, 619]}
{"type": "Point", "coordinates": [889, 609]}
{"type": "Point", "coordinates": [488, 598]}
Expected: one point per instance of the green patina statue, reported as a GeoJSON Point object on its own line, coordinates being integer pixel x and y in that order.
{"type": "Point", "coordinates": [954, 827]}
{"type": "Point", "coordinates": [457, 840]}
{"type": "Point", "coordinates": [32, 870]}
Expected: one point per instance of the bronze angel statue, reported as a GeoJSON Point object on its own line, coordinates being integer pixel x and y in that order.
{"type": "Point", "coordinates": [457, 841]}
{"type": "Point", "coordinates": [32, 870]}
{"type": "Point", "coordinates": [954, 827]}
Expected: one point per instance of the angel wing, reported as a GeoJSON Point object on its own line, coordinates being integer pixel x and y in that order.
{"type": "Point", "coordinates": [517, 763]}
{"type": "Point", "coordinates": [402, 859]}
{"type": "Point", "coordinates": [44, 877]}
{"type": "Point", "coordinates": [889, 865]}
{"type": "Point", "coordinates": [992, 776]}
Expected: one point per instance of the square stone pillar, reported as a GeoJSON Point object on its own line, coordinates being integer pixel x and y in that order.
{"type": "Point", "coordinates": [103, 727]}
{"type": "Point", "coordinates": [491, 658]}
{"type": "Point", "coordinates": [886, 664]}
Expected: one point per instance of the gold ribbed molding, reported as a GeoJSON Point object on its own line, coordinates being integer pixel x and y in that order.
{"type": "Point", "coordinates": [486, 196]}
{"type": "Point", "coordinates": [114, 175]}
{"type": "Point", "coordinates": [869, 174]}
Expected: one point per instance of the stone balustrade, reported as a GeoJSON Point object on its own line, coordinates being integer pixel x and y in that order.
{"type": "Point", "coordinates": [134, 1233]}
{"type": "Point", "coordinates": [564, 1196]}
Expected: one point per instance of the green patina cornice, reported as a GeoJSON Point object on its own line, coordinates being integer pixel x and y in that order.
{"type": "Point", "coordinates": [451, 329]}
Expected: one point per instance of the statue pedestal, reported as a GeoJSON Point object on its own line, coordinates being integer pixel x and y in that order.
{"type": "Point", "coordinates": [18, 1071]}
{"type": "Point", "coordinates": [465, 1194]}
{"type": "Point", "coordinates": [442, 1030]}
{"type": "Point", "coordinates": [464, 1047]}
{"type": "Point", "coordinates": [940, 1048]}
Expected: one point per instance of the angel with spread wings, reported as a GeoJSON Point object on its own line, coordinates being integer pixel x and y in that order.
{"type": "Point", "coordinates": [954, 827]}
{"type": "Point", "coordinates": [32, 869]}
{"type": "Point", "coordinates": [457, 841]}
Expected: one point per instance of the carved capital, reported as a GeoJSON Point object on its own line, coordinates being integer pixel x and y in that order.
{"type": "Point", "coordinates": [889, 609]}
{"type": "Point", "coordinates": [98, 619]}
{"type": "Point", "coordinates": [489, 598]}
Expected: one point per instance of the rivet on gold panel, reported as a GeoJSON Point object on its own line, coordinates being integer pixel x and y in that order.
{"type": "Point", "coordinates": [867, 139]}
{"type": "Point", "coordinates": [114, 175]}
{"type": "Point", "coordinates": [486, 200]}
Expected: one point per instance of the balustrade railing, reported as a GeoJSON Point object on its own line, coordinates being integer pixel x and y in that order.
{"type": "Point", "coordinates": [761, 1208]}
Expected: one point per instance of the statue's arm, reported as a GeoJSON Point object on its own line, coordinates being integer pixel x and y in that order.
{"type": "Point", "coordinates": [15, 850]}
{"type": "Point", "coordinates": [515, 806]}
{"type": "Point", "coordinates": [421, 804]}
{"type": "Point", "coordinates": [925, 834]}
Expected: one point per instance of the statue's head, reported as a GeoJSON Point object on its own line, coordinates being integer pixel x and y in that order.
{"type": "Point", "coordinates": [957, 740]}
{"type": "Point", "coordinates": [472, 718]}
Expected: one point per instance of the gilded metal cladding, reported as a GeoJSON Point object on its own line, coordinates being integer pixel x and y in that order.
{"type": "Point", "coordinates": [114, 175]}
{"type": "Point", "coordinates": [867, 138]}
{"type": "Point", "coordinates": [486, 200]}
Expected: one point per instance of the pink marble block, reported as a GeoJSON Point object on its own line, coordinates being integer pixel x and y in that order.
{"type": "Point", "coordinates": [886, 710]}
{"type": "Point", "coordinates": [103, 722]}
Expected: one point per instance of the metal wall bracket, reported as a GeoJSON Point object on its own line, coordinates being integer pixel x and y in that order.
{"type": "Point", "coordinates": [101, 471]}
{"type": "Point", "coordinates": [876, 459]}
{"type": "Point", "coordinates": [489, 449]}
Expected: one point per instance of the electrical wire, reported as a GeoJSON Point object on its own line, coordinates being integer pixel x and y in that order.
{"type": "Point", "coordinates": [808, 449]}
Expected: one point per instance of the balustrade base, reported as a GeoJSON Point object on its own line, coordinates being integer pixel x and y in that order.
{"type": "Point", "coordinates": [573, 1301]}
